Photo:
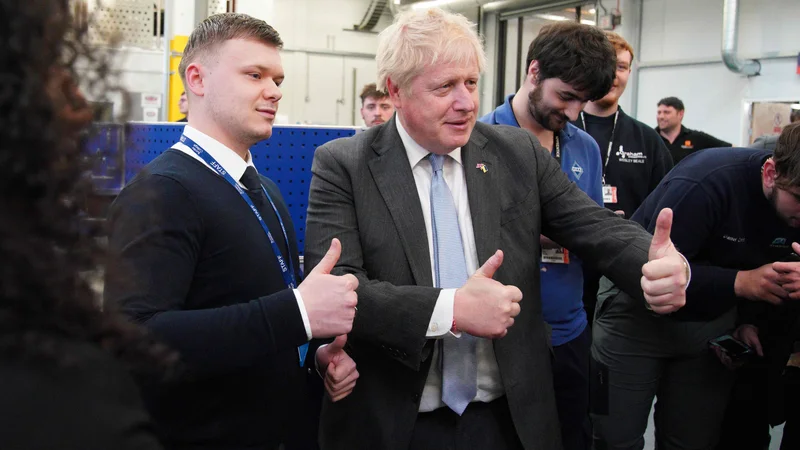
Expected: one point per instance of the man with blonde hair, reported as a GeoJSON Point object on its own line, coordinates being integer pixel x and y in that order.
{"type": "Point", "coordinates": [448, 355]}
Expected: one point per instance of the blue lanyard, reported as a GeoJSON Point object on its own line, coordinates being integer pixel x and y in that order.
{"type": "Point", "coordinates": [287, 270]}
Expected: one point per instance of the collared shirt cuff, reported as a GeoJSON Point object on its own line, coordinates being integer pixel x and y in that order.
{"type": "Point", "coordinates": [302, 307]}
{"type": "Point", "coordinates": [442, 317]}
{"type": "Point", "coordinates": [688, 270]}
{"type": "Point", "coordinates": [316, 361]}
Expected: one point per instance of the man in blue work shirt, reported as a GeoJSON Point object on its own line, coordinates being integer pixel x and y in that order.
{"type": "Point", "coordinates": [568, 65]}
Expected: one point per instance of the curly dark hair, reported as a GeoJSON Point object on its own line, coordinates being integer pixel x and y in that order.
{"type": "Point", "coordinates": [45, 255]}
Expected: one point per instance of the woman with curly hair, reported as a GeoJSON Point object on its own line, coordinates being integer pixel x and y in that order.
{"type": "Point", "coordinates": [66, 367]}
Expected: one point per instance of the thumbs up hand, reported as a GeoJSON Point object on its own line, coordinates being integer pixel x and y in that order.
{"type": "Point", "coordinates": [667, 273]}
{"type": "Point", "coordinates": [330, 300]}
{"type": "Point", "coordinates": [484, 307]}
{"type": "Point", "coordinates": [339, 369]}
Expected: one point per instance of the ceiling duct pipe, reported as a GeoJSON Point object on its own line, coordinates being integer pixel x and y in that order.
{"type": "Point", "coordinates": [730, 35]}
{"type": "Point", "coordinates": [460, 5]}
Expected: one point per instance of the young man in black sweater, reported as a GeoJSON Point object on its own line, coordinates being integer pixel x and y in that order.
{"type": "Point", "coordinates": [207, 260]}
{"type": "Point", "coordinates": [635, 158]}
{"type": "Point", "coordinates": [737, 211]}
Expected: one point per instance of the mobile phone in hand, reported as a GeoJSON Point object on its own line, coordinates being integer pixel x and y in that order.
{"type": "Point", "coordinates": [732, 347]}
{"type": "Point", "coordinates": [791, 257]}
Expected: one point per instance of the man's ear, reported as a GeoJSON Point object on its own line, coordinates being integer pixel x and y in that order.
{"type": "Point", "coordinates": [395, 93]}
{"type": "Point", "coordinates": [195, 79]}
{"type": "Point", "coordinates": [769, 174]}
{"type": "Point", "coordinates": [533, 72]}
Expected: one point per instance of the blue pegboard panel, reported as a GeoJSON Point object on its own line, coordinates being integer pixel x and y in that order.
{"type": "Point", "coordinates": [107, 157]}
{"type": "Point", "coordinates": [285, 158]}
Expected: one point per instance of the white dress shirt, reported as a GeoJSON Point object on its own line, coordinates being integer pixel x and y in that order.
{"type": "Point", "coordinates": [490, 386]}
{"type": "Point", "coordinates": [235, 166]}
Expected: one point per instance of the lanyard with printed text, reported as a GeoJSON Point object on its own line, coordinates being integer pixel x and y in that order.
{"type": "Point", "coordinates": [287, 270]}
{"type": "Point", "coordinates": [610, 140]}
{"type": "Point", "coordinates": [557, 148]}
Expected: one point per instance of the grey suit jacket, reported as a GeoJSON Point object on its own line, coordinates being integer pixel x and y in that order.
{"type": "Point", "coordinates": [363, 193]}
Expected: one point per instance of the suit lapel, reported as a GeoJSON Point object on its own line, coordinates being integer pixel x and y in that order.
{"type": "Point", "coordinates": [481, 189]}
{"type": "Point", "coordinates": [393, 177]}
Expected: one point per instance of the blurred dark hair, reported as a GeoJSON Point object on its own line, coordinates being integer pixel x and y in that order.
{"type": "Point", "coordinates": [579, 55]}
{"type": "Point", "coordinates": [673, 102]}
{"type": "Point", "coordinates": [787, 157]}
{"type": "Point", "coordinates": [45, 256]}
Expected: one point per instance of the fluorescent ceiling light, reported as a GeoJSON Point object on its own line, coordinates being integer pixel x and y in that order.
{"type": "Point", "coordinates": [551, 17]}
{"type": "Point", "coordinates": [431, 4]}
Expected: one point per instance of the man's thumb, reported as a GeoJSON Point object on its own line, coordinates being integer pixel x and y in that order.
{"type": "Point", "coordinates": [330, 259]}
{"type": "Point", "coordinates": [491, 265]}
{"type": "Point", "coordinates": [662, 232]}
{"type": "Point", "coordinates": [338, 344]}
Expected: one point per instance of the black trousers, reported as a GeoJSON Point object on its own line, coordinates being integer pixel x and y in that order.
{"type": "Point", "coordinates": [571, 369]}
{"type": "Point", "coordinates": [759, 401]}
{"type": "Point", "coordinates": [482, 426]}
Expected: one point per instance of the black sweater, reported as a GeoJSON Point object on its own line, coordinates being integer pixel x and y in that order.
{"type": "Point", "coordinates": [638, 158]}
{"type": "Point", "coordinates": [722, 223]}
{"type": "Point", "coordinates": [196, 268]}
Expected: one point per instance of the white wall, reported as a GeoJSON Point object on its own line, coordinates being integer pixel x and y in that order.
{"type": "Point", "coordinates": [678, 35]}
{"type": "Point", "coordinates": [320, 58]}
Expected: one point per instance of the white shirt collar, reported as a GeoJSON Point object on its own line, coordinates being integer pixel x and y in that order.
{"type": "Point", "coordinates": [227, 158]}
{"type": "Point", "coordinates": [416, 152]}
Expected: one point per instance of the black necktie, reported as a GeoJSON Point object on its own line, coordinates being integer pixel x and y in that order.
{"type": "Point", "coordinates": [252, 182]}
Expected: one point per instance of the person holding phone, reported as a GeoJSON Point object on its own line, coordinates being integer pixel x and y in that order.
{"type": "Point", "coordinates": [737, 211]}
{"type": "Point", "coordinates": [762, 396]}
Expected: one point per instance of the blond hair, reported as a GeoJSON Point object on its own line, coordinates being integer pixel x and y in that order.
{"type": "Point", "coordinates": [418, 39]}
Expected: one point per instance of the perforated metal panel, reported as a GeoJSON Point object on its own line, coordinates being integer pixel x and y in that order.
{"type": "Point", "coordinates": [217, 6]}
{"type": "Point", "coordinates": [129, 22]}
{"type": "Point", "coordinates": [104, 149]}
{"type": "Point", "coordinates": [285, 158]}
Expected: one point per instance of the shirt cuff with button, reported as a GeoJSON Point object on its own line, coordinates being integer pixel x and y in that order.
{"type": "Point", "coordinates": [303, 313]}
{"type": "Point", "coordinates": [442, 317]}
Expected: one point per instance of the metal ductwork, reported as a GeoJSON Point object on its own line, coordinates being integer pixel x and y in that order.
{"type": "Point", "coordinates": [373, 15]}
{"type": "Point", "coordinates": [487, 5]}
{"type": "Point", "coordinates": [730, 36]}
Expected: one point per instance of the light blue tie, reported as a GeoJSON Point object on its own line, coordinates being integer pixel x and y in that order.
{"type": "Point", "coordinates": [459, 364]}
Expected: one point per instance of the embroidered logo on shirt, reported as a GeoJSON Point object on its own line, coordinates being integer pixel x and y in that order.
{"type": "Point", "coordinates": [631, 157]}
{"type": "Point", "coordinates": [687, 144]}
{"type": "Point", "coordinates": [779, 243]}
{"type": "Point", "coordinates": [577, 170]}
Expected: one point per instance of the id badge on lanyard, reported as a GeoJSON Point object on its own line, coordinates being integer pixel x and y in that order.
{"type": "Point", "coordinates": [286, 265]}
{"type": "Point", "coordinates": [609, 194]}
{"type": "Point", "coordinates": [609, 191]}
